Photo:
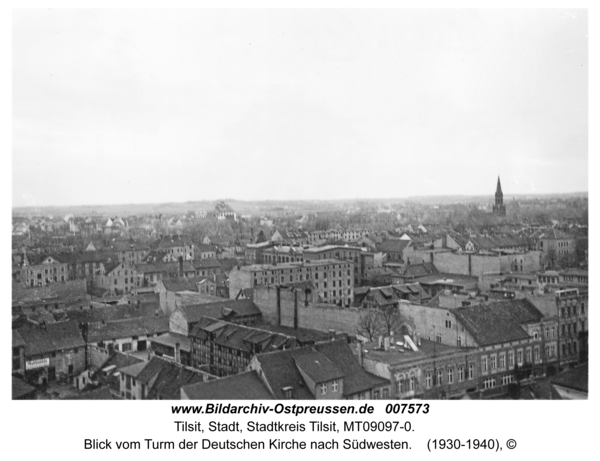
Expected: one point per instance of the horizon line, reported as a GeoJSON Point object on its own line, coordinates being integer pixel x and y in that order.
{"type": "Point", "coordinates": [412, 197]}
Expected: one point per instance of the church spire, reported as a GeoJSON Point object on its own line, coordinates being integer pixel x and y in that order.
{"type": "Point", "coordinates": [499, 208]}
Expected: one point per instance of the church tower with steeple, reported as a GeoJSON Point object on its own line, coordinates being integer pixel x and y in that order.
{"type": "Point", "coordinates": [499, 208]}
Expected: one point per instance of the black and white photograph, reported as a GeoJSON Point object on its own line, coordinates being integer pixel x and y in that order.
{"type": "Point", "coordinates": [299, 205]}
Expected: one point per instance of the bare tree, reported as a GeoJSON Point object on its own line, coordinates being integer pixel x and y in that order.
{"type": "Point", "coordinates": [389, 320]}
{"type": "Point", "coordinates": [368, 324]}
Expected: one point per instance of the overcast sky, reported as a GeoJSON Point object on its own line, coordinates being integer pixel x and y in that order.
{"type": "Point", "coordinates": [139, 106]}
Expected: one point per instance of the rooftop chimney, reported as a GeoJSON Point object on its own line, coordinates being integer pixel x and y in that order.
{"type": "Point", "coordinates": [177, 353]}
{"type": "Point", "coordinates": [359, 349]}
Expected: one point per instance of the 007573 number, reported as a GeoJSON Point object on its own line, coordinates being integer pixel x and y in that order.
{"type": "Point", "coordinates": [410, 408]}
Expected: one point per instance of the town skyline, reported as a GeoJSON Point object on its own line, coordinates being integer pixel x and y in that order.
{"type": "Point", "coordinates": [443, 198]}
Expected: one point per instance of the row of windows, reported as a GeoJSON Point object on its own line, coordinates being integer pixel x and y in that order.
{"type": "Point", "coordinates": [495, 362]}
{"type": "Point", "coordinates": [572, 328]}
{"type": "Point", "coordinates": [384, 394]}
{"type": "Point", "coordinates": [572, 310]}
{"type": "Point", "coordinates": [569, 348]}
{"type": "Point", "coordinates": [409, 385]}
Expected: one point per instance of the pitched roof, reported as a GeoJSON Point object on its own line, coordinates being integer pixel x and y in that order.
{"type": "Point", "coordinates": [355, 378]}
{"type": "Point", "coordinates": [318, 367]}
{"type": "Point", "coordinates": [171, 378]}
{"type": "Point", "coordinates": [108, 313]}
{"type": "Point", "coordinates": [220, 309]}
{"type": "Point", "coordinates": [280, 369]}
{"type": "Point", "coordinates": [240, 337]}
{"type": "Point", "coordinates": [54, 337]}
{"type": "Point", "coordinates": [181, 284]}
{"type": "Point", "coordinates": [171, 339]}
{"type": "Point", "coordinates": [171, 241]}
{"type": "Point", "coordinates": [498, 322]}
{"type": "Point", "coordinates": [244, 386]}
{"type": "Point", "coordinates": [555, 234]}
{"type": "Point", "coordinates": [100, 393]}
{"type": "Point", "coordinates": [420, 270]}
{"type": "Point", "coordinates": [127, 328]}
{"type": "Point", "coordinates": [69, 291]}
{"type": "Point", "coordinates": [128, 245]}
{"type": "Point", "coordinates": [575, 378]}
{"type": "Point", "coordinates": [167, 377]}
{"type": "Point", "coordinates": [206, 263]}
{"type": "Point", "coordinates": [65, 335]}
{"type": "Point", "coordinates": [21, 389]}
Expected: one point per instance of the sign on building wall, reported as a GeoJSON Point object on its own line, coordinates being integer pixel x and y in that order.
{"type": "Point", "coordinates": [38, 363]}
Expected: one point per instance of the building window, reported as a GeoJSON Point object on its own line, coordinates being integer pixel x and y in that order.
{"type": "Point", "coordinates": [536, 353]}
{"type": "Point", "coordinates": [459, 341]}
{"type": "Point", "coordinates": [520, 357]}
{"type": "Point", "coordinates": [489, 383]}
{"type": "Point", "coordinates": [439, 378]}
{"type": "Point", "coordinates": [471, 371]}
{"type": "Point", "coordinates": [502, 360]}
{"type": "Point", "coordinates": [411, 383]}
{"type": "Point", "coordinates": [450, 376]}
{"type": "Point", "coordinates": [528, 355]}
{"type": "Point", "coordinates": [428, 380]}
{"type": "Point", "coordinates": [400, 386]}
{"type": "Point", "coordinates": [438, 337]}
{"type": "Point", "coordinates": [323, 388]}
{"type": "Point", "coordinates": [334, 386]}
{"type": "Point", "coordinates": [484, 364]}
{"type": "Point", "coordinates": [507, 379]}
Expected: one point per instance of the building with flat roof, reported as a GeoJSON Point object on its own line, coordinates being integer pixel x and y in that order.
{"type": "Point", "coordinates": [331, 279]}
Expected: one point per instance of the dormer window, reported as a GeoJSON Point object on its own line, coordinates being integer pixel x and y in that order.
{"type": "Point", "coordinates": [323, 388]}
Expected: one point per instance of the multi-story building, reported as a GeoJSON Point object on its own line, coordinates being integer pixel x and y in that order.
{"type": "Point", "coordinates": [572, 319]}
{"type": "Point", "coordinates": [54, 351]}
{"type": "Point", "coordinates": [227, 348]}
{"type": "Point", "coordinates": [290, 237]}
{"type": "Point", "coordinates": [506, 334]}
{"type": "Point", "coordinates": [129, 252]}
{"type": "Point", "coordinates": [331, 279]}
{"type": "Point", "coordinates": [40, 270]}
{"type": "Point", "coordinates": [176, 245]}
{"type": "Point", "coordinates": [282, 254]}
{"type": "Point", "coordinates": [343, 252]}
{"type": "Point", "coordinates": [323, 371]}
{"type": "Point", "coordinates": [422, 369]}
{"type": "Point", "coordinates": [555, 246]}
{"type": "Point", "coordinates": [157, 379]}
{"type": "Point", "coordinates": [119, 278]}
{"type": "Point", "coordinates": [253, 252]}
